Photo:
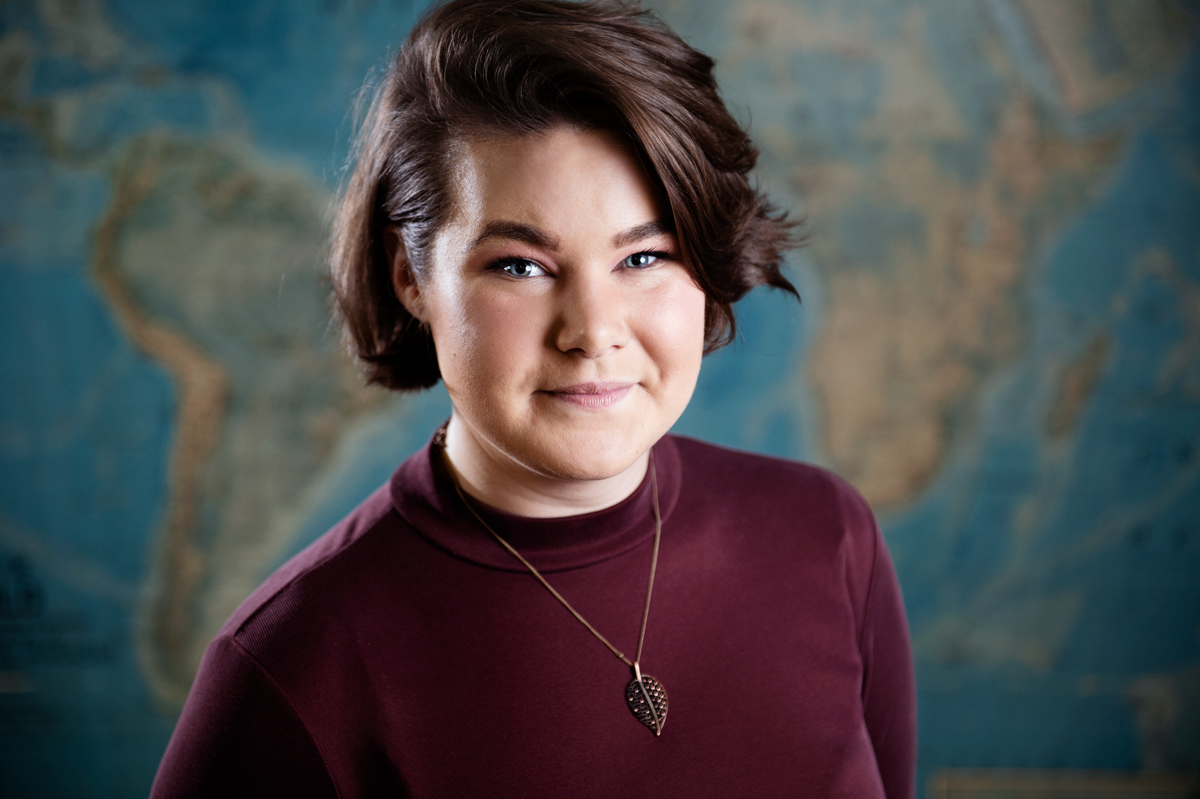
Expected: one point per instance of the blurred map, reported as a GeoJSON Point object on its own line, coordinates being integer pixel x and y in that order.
{"type": "Point", "coordinates": [999, 344]}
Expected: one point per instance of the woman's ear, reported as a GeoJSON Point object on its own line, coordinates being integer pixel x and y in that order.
{"type": "Point", "coordinates": [404, 280]}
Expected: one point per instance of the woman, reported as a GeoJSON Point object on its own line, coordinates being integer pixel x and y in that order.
{"type": "Point", "coordinates": [550, 212]}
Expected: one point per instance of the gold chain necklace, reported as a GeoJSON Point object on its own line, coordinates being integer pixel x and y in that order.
{"type": "Point", "coordinates": [646, 697]}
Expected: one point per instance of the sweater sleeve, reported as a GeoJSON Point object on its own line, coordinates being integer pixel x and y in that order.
{"type": "Point", "coordinates": [238, 736]}
{"type": "Point", "coordinates": [889, 692]}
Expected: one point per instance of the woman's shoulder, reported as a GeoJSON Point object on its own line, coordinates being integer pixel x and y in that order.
{"type": "Point", "coordinates": [785, 504]}
{"type": "Point", "coordinates": [790, 518]}
{"type": "Point", "coordinates": [310, 579]}
{"type": "Point", "coordinates": [725, 471]}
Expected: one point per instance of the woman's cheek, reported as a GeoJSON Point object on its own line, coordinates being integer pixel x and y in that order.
{"type": "Point", "coordinates": [500, 332]}
{"type": "Point", "coordinates": [678, 318]}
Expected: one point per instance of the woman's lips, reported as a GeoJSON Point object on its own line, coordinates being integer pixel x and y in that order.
{"type": "Point", "coordinates": [591, 395]}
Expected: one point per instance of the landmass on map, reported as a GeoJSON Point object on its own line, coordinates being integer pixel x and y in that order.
{"type": "Point", "coordinates": [211, 259]}
{"type": "Point", "coordinates": [927, 207]}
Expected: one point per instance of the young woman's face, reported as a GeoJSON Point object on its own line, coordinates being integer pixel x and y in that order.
{"type": "Point", "coordinates": [568, 332]}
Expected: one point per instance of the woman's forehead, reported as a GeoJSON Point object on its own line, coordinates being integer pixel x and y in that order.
{"type": "Point", "coordinates": [564, 181]}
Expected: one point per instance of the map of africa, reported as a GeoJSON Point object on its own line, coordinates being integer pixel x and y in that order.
{"type": "Point", "coordinates": [998, 344]}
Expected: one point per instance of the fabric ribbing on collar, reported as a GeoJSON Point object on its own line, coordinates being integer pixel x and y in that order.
{"type": "Point", "coordinates": [423, 494]}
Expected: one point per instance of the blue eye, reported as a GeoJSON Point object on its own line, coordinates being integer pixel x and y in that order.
{"type": "Point", "coordinates": [640, 260]}
{"type": "Point", "coordinates": [520, 267]}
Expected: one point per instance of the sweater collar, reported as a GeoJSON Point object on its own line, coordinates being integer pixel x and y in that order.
{"type": "Point", "coordinates": [423, 494]}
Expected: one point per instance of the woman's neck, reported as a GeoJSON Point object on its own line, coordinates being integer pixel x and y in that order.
{"type": "Point", "coordinates": [496, 479]}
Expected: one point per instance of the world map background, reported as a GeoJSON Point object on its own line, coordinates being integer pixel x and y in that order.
{"type": "Point", "coordinates": [999, 344]}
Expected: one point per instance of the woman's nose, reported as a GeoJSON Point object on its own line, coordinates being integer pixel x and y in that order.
{"type": "Point", "coordinates": [593, 318]}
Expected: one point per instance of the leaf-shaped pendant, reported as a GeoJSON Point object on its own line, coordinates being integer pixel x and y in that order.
{"type": "Point", "coordinates": [647, 700]}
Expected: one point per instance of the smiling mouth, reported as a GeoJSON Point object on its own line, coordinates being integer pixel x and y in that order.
{"type": "Point", "coordinates": [591, 395]}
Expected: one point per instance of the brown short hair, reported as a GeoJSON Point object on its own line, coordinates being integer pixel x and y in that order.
{"type": "Point", "coordinates": [516, 67]}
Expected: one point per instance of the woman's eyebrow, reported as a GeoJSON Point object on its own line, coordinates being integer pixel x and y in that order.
{"type": "Point", "coordinates": [529, 234]}
{"type": "Point", "coordinates": [516, 232]}
{"type": "Point", "coordinates": [645, 231]}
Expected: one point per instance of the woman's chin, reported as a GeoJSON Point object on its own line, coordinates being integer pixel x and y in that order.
{"type": "Point", "coordinates": [586, 458]}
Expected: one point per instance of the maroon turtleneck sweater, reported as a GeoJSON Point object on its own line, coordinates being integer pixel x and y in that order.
{"type": "Point", "coordinates": [405, 653]}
